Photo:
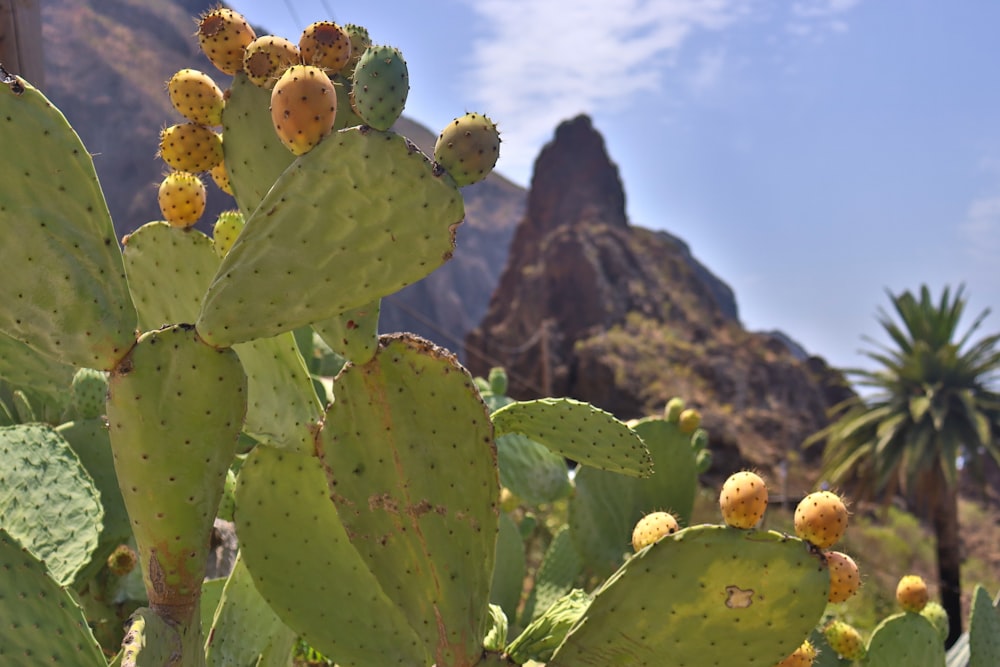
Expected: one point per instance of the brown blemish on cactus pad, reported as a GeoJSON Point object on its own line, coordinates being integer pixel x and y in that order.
{"type": "Point", "coordinates": [737, 598]}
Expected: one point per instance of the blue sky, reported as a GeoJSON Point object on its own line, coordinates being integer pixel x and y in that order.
{"type": "Point", "coordinates": [813, 153]}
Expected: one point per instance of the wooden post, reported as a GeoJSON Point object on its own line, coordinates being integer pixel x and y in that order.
{"type": "Point", "coordinates": [21, 39]}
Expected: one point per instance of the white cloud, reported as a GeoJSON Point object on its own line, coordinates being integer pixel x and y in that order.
{"type": "Point", "coordinates": [708, 72]}
{"type": "Point", "coordinates": [814, 18]}
{"type": "Point", "coordinates": [981, 229]}
{"type": "Point", "coordinates": [543, 61]}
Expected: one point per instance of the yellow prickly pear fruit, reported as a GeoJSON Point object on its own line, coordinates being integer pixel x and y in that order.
{"type": "Point", "coordinates": [689, 420]}
{"type": "Point", "coordinates": [182, 198]}
{"type": "Point", "coordinates": [743, 499]}
{"type": "Point", "coordinates": [227, 227]}
{"type": "Point", "coordinates": [803, 656]}
{"type": "Point", "coordinates": [196, 97]}
{"type": "Point", "coordinates": [360, 40]}
{"type": "Point", "coordinates": [821, 518]}
{"type": "Point", "coordinates": [911, 593]}
{"type": "Point", "coordinates": [267, 57]}
{"type": "Point", "coordinates": [303, 107]}
{"type": "Point", "coordinates": [672, 411]}
{"type": "Point", "coordinates": [224, 35]}
{"type": "Point", "coordinates": [326, 45]}
{"type": "Point", "coordinates": [652, 527]}
{"type": "Point", "coordinates": [845, 578]}
{"type": "Point", "coordinates": [221, 178]}
{"type": "Point", "coordinates": [190, 147]}
{"type": "Point", "coordinates": [845, 640]}
{"type": "Point", "coordinates": [468, 148]}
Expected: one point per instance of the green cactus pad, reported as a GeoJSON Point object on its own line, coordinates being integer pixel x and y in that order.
{"type": "Point", "coordinates": [578, 431]}
{"type": "Point", "coordinates": [23, 366]}
{"type": "Point", "coordinates": [532, 471]}
{"type": "Point", "coordinates": [984, 631]}
{"type": "Point", "coordinates": [254, 156]}
{"type": "Point", "coordinates": [905, 639]}
{"type": "Point", "coordinates": [244, 623]}
{"type": "Point", "coordinates": [48, 502]}
{"type": "Point", "coordinates": [303, 564]}
{"type": "Point", "coordinates": [353, 335]}
{"type": "Point", "coordinates": [363, 204]}
{"type": "Point", "coordinates": [409, 450]}
{"type": "Point", "coordinates": [89, 440]}
{"type": "Point", "coordinates": [168, 270]}
{"type": "Point", "coordinates": [281, 649]}
{"type": "Point", "coordinates": [175, 409]}
{"type": "Point", "coordinates": [555, 577]}
{"type": "Point", "coordinates": [65, 292]}
{"type": "Point", "coordinates": [606, 506]}
{"type": "Point", "coordinates": [42, 624]}
{"type": "Point", "coordinates": [345, 114]}
{"type": "Point", "coordinates": [509, 569]}
{"type": "Point", "coordinates": [701, 597]}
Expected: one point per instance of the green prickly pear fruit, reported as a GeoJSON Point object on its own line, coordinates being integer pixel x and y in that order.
{"type": "Point", "coordinates": [652, 527]}
{"type": "Point", "coordinates": [936, 614]}
{"type": "Point", "coordinates": [911, 593]}
{"type": "Point", "coordinates": [360, 40]}
{"type": "Point", "coordinates": [468, 148]}
{"type": "Point", "coordinates": [227, 227]}
{"type": "Point", "coordinates": [89, 393]}
{"type": "Point", "coordinates": [182, 197]}
{"type": "Point", "coordinates": [267, 57]}
{"type": "Point", "coordinates": [845, 640]}
{"type": "Point", "coordinates": [803, 656]}
{"type": "Point", "coordinates": [498, 381]}
{"type": "Point", "coordinates": [821, 518]}
{"type": "Point", "coordinates": [224, 35]}
{"type": "Point", "coordinates": [689, 421]}
{"type": "Point", "coordinates": [743, 499]}
{"type": "Point", "coordinates": [326, 45]}
{"type": "Point", "coordinates": [196, 97]}
{"type": "Point", "coordinates": [303, 107]}
{"type": "Point", "coordinates": [379, 87]}
{"type": "Point", "coordinates": [122, 560]}
{"type": "Point", "coordinates": [221, 178]}
{"type": "Point", "coordinates": [190, 147]}
{"type": "Point", "coordinates": [674, 408]}
{"type": "Point", "coordinates": [845, 578]}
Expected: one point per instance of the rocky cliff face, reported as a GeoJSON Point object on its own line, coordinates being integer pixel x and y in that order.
{"type": "Point", "coordinates": [107, 62]}
{"type": "Point", "coordinates": [591, 307]}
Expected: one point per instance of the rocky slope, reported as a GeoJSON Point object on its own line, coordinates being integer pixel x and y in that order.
{"type": "Point", "coordinates": [592, 307]}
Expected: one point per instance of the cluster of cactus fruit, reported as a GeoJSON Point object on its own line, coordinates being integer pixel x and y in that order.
{"type": "Point", "coordinates": [382, 498]}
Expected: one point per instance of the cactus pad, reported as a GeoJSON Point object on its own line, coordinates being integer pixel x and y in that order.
{"type": "Point", "coordinates": [321, 221]}
{"type": "Point", "coordinates": [532, 471]}
{"type": "Point", "coordinates": [23, 366]}
{"type": "Point", "coordinates": [984, 631]}
{"type": "Point", "coordinates": [905, 639]}
{"type": "Point", "coordinates": [700, 597]}
{"type": "Point", "coordinates": [64, 284]}
{"type": "Point", "coordinates": [42, 623]}
{"type": "Point", "coordinates": [352, 335]}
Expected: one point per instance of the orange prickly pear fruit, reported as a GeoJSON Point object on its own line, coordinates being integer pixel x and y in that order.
{"type": "Point", "coordinates": [845, 578]}
{"type": "Point", "coordinates": [224, 35]}
{"type": "Point", "coordinates": [190, 147]}
{"type": "Point", "coordinates": [743, 500]}
{"type": "Point", "coordinates": [182, 198]}
{"type": "Point", "coordinates": [911, 593]}
{"type": "Point", "coordinates": [652, 527]}
{"type": "Point", "coordinates": [821, 518]}
{"type": "Point", "coordinates": [267, 57]}
{"type": "Point", "coordinates": [690, 419]}
{"type": "Point", "coordinates": [803, 656]}
{"type": "Point", "coordinates": [303, 107]}
{"type": "Point", "coordinates": [325, 44]}
{"type": "Point", "coordinates": [196, 97]}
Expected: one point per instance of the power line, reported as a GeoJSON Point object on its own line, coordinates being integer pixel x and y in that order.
{"type": "Point", "coordinates": [293, 13]}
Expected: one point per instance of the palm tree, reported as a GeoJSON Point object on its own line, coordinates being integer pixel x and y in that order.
{"type": "Point", "coordinates": [931, 407]}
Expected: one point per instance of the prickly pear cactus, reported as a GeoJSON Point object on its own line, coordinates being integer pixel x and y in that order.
{"type": "Point", "coordinates": [984, 631]}
{"type": "Point", "coordinates": [905, 639]}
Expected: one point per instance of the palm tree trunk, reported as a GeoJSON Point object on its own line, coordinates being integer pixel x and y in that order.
{"type": "Point", "coordinates": [949, 559]}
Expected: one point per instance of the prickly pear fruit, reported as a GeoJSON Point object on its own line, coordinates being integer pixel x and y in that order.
{"type": "Point", "coordinates": [652, 527]}
{"type": "Point", "coordinates": [182, 198]}
{"type": "Point", "coordinates": [468, 148]}
{"type": "Point", "coordinates": [845, 579]}
{"type": "Point", "coordinates": [190, 147]}
{"type": "Point", "coordinates": [935, 613]}
{"type": "Point", "coordinates": [845, 640]}
{"type": "Point", "coordinates": [89, 392]}
{"type": "Point", "coordinates": [379, 87]}
{"type": "Point", "coordinates": [196, 97]}
{"type": "Point", "coordinates": [224, 35]}
{"type": "Point", "coordinates": [689, 420]}
{"type": "Point", "coordinates": [821, 518]}
{"type": "Point", "coordinates": [673, 409]}
{"type": "Point", "coordinates": [122, 560]}
{"type": "Point", "coordinates": [326, 45]}
{"type": "Point", "coordinates": [303, 107]}
{"type": "Point", "coordinates": [360, 40]}
{"type": "Point", "coordinates": [911, 593]}
{"type": "Point", "coordinates": [743, 499]}
{"type": "Point", "coordinates": [267, 57]}
{"type": "Point", "coordinates": [221, 178]}
{"type": "Point", "coordinates": [803, 656]}
{"type": "Point", "coordinates": [227, 227]}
